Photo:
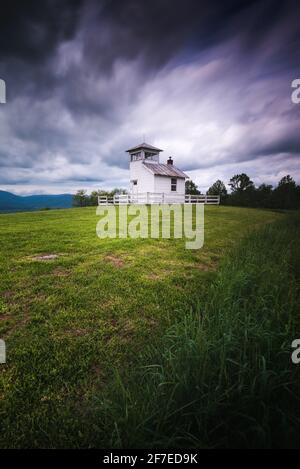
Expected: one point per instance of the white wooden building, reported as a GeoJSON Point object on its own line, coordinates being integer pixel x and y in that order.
{"type": "Point", "coordinates": [162, 182]}
{"type": "Point", "coordinates": [153, 182]}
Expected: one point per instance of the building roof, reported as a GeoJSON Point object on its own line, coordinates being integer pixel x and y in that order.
{"type": "Point", "coordinates": [160, 169]}
{"type": "Point", "coordinates": [144, 146]}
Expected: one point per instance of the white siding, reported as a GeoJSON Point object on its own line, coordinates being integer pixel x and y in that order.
{"type": "Point", "coordinates": [180, 186]}
{"type": "Point", "coordinates": [163, 184]}
{"type": "Point", "coordinates": [145, 179]}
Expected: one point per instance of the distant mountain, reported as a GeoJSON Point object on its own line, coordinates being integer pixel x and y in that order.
{"type": "Point", "coordinates": [50, 201]}
{"type": "Point", "coordinates": [10, 202]}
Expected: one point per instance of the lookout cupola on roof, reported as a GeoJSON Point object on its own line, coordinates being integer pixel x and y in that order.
{"type": "Point", "coordinates": [144, 151]}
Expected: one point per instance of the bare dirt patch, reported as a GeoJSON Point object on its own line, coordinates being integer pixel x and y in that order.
{"type": "Point", "coordinates": [159, 275]}
{"type": "Point", "coordinates": [8, 294]}
{"type": "Point", "coordinates": [45, 257]}
{"type": "Point", "coordinates": [153, 277]}
{"type": "Point", "coordinates": [61, 272]}
{"type": "Point", "coordinates": [116, 261]}
{"type": "Point", "coordinates": [76, 332]}
{"type": "Point", "coordinates": [5, 317]}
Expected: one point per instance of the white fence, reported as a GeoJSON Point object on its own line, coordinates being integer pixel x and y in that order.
{"type": "Point", "coordinates": [158, 198]}
{"type": "Point", "coordinates": [202, 199]}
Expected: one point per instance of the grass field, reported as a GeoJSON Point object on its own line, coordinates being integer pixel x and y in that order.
{"type": "Point", "coordinates": [223, 376]}
{"type": "Point", "coordinates": [78, 325]}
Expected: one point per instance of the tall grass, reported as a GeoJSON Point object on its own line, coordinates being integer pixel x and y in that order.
{"type": "Point", "coordinates": [223, 375]}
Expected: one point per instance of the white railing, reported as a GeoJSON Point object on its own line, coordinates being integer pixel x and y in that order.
{"type": "Point", "coordinates": [202, 199]}
{"type": "Point", "coordinates": [158, 198]}
{"type": "Point", "coordinates": [104, 200]}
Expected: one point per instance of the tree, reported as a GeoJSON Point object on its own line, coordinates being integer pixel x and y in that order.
{"type": "Point", "coordinates": [80, 199]}
{"type": "Point", "coordinates": [241, 183]}
{"type": "Point", "coordinates": [287, 182]}
{"type": "Point", "coordinates": [262, 196]}
{"type": "Point", "coordinates": [191, 188]}
{"type": "Point", "coordinates": [93, 199]}
{"type": "Point", "coordinates": [218, 188]}
{"type": "Point", "coordinates": [265, 189]}
{"type": "Point", "coordinates": [117, 191]}
{"type": "Point", "coordinates": [243, 191]}
{"type": "Point", "coordinates": [287, 194]}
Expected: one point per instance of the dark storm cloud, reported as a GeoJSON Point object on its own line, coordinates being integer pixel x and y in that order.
{"type": "Point", "coordinates": [155, 31]}
{"type": "Point", "coordinates": [30, 30]}
{"type": "Point", "coordinates": [207, 80]}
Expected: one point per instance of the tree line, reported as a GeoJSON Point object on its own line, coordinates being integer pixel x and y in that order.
{"type": "Point", "coordinates": [83, 199]}
{"type": "Point", "coordinates": [286, 195]}
{"type": "Point", "coordinates": [243, 192]}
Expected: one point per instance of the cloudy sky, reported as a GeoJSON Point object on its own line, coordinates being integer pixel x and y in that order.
{"type": "Point", "coordinates": [208, 81]}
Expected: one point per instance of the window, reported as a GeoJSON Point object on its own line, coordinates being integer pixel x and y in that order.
{"type": "Point", "coordinates": [134, 182]}
{"type": "Point", "coordinates": [173, 184]}
{"type": "Point", "coordinates": [149, 155]}
{"type": "Point", "coordinates": [136, 156]}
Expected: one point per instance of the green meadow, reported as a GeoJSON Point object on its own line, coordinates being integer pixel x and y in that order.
{"type": "Point", "coordinates": [141, 342]}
